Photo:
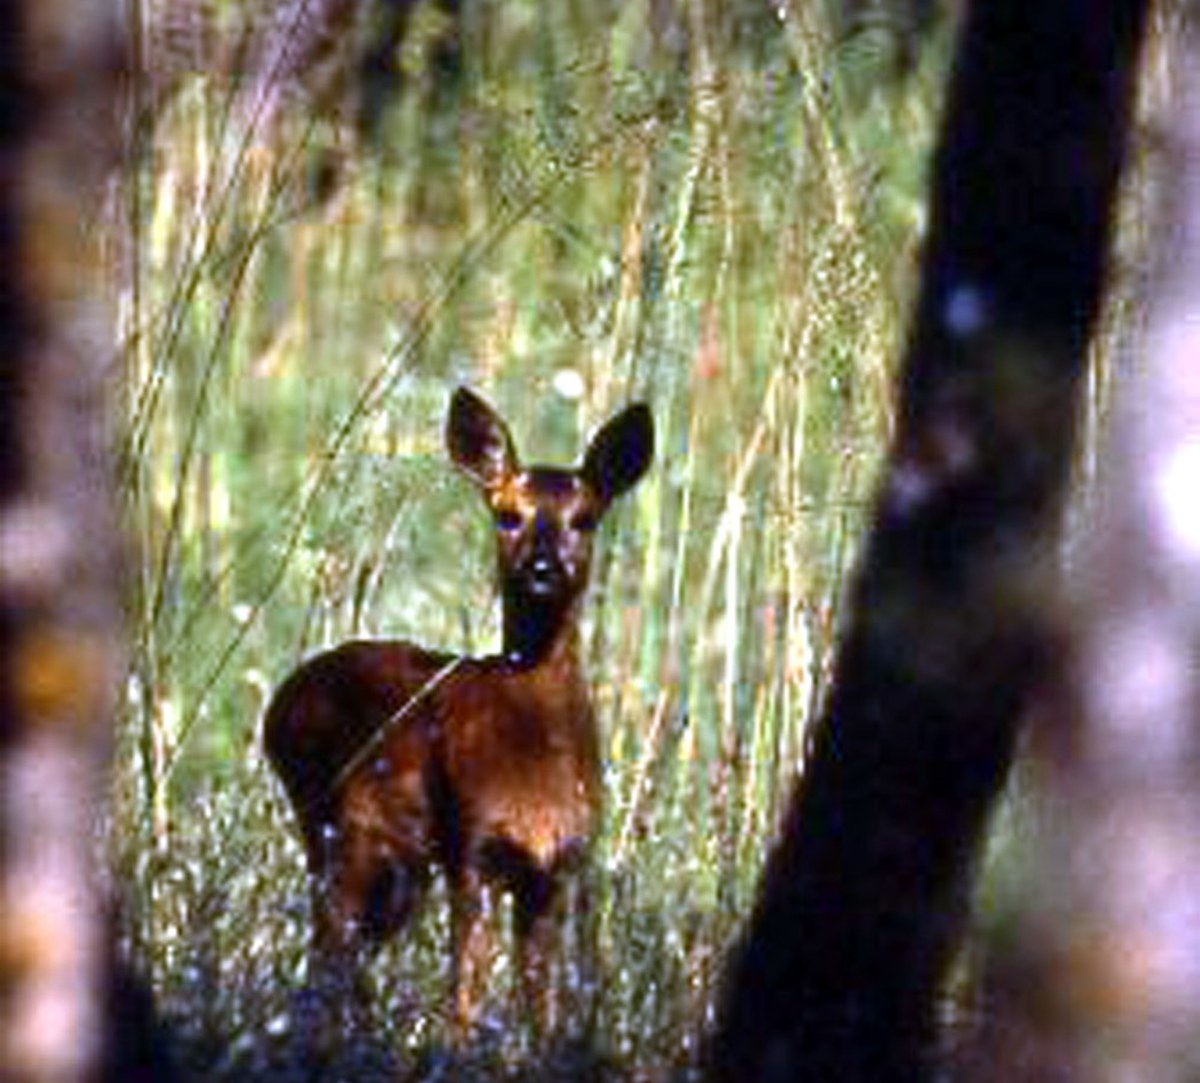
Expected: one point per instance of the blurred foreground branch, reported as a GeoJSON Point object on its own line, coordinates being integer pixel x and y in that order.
{"type": "Point", "coordinates": [60, 653]}
{"type": "Point", "coordinates": [1099, 978]}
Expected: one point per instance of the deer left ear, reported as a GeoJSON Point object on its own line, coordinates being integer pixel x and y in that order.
{"type": "Point", "coordinates": [478, 440]}
{"type": "Point", "coordinates": [620, 452]}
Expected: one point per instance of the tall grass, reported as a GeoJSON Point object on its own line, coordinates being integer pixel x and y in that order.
{"type": "Point", "coordinates": [590, 214]}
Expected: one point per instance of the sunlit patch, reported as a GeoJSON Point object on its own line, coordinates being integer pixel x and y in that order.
{"type": "Point", "coordinates": [943, 453]}
{"type": "Point", "coordinates": [35, 546]}
{"type": "Point", "coordinates": [966, 311]}
{"type": "Point", "coordinates": [908, 487]}
{"type": "Point", "coordinates": [1152, 964]}
{"type": "Point", "coordinates": [1177, 488]}
{"type": "Point", "coordinates": [1139, 674]}
{"type": "Point", "coordinates": [569, 384]}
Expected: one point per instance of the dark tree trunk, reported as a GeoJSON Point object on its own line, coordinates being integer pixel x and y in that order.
{"type": "Point", "coordinates": [864, 899]}
{"type": "Point", "coordinates": [60, 654]}
{"type": "Point", "coordinates": [1099, 978]}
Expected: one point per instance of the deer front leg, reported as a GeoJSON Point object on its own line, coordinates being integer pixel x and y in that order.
{"type": "Point", "coordinates": [537, 924]}
{"type": "Point", "coordinates": [469, 949]}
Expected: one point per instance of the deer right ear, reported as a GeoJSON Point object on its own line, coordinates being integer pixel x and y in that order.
{"type": "Point", "coordinates": [478, 440]}
{"type": "Point", "coordinates": [620, 452]}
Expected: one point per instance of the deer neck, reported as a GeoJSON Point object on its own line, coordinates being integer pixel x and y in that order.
{"type": "Point", "coordinates": [541, 632]}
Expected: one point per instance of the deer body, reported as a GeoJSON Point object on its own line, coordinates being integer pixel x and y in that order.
{"type": "Point", "coordinates": [397, 759]}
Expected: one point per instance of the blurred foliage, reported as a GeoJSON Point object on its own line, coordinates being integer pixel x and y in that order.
{"type": "Point", "coordinates": [714, 207]}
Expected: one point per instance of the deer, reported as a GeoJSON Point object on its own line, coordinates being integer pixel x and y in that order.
{"type": "Point", "coordinates": [399, 761]}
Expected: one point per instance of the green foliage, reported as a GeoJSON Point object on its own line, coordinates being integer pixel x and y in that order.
{"type": "Point", "coordinates": [691, 211]}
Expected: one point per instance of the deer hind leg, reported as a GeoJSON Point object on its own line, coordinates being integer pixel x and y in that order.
{"type": "Point", "coordinates": [363, 891]}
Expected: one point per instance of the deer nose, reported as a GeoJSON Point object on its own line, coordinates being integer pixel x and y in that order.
{"type": "Point", "coordinates": [541, 577]}
{"type": "Point", "coordinates": [544, 566]}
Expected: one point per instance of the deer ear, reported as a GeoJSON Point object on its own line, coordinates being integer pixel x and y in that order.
{"type": "Point", "coordinates": [620, 452]}
{"type": "Point", "coordinates": [478, 440]}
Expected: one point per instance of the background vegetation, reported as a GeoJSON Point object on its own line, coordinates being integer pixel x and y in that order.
{"type": "Point", "coordinates": [714, 207]}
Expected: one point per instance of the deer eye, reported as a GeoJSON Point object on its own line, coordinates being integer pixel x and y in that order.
{"type": "Point", "coordinates": [509, 520]}
{"type": "Point", "coordinates": [584, 521]}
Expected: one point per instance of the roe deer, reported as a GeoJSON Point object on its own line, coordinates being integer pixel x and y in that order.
{"type": "Point", "coordinates": [397, 759]}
